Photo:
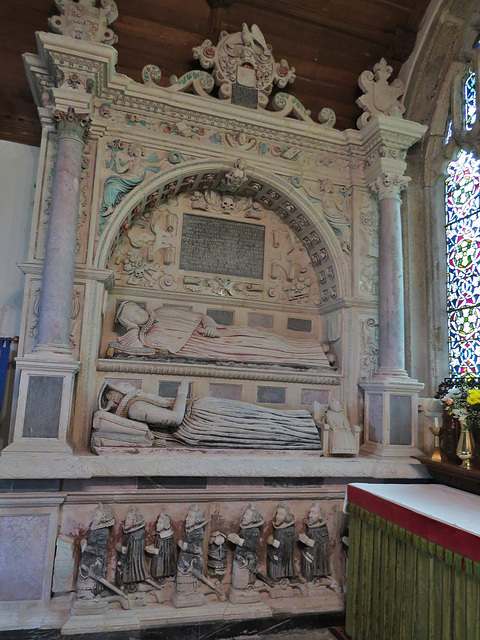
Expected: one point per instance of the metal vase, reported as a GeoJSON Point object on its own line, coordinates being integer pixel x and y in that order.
{"type": "Point", "coordinates": [465, 445]}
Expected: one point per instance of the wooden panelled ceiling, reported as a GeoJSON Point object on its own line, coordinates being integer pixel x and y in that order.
{"type": "Point", "coordinates": [329, 42]}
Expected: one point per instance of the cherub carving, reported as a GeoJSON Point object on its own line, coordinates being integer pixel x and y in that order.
{"type": "Point", "coordinates": [234, 177]}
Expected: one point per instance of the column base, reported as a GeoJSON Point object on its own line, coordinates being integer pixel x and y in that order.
{"type": "Point", "coordinates": [391, 415]}
{"type": "Point", "coordinates": [399, 451]}
{"type": "Point", "coordinates": [49, 351]}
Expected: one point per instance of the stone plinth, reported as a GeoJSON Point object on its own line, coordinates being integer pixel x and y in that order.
{"type": "Point", "coordinates": [391, 416]}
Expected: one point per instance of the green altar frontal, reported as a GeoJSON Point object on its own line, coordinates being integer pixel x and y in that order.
{"type": "Point", "coordinates": [414, 563]}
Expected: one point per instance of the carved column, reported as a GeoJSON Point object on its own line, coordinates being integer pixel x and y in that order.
{"type": "Point", "coordinates": [47, 374]}
{"type": "Point", "coordinates": [57, 286]}
{"type": "Point", "coordinates": [391, 396]}
{"type": "Point", "coordinates": [390, 273]}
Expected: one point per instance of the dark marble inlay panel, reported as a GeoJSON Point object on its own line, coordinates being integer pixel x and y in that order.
{"type": "Point", "coordinates": [22, 560]}
{"type": "Point", "coordinates": [42, 411]}
{"type": "Point", "coordinates": [299, 324]}
{"type": "Point", "coordinates": [271, 395]}
{"type": "Point", "coordinates": [226, 391]}
{"type": "Point", "coordinates": [244, 96]}
{"type": "Point", "coordinates": [309, 396]}
{"type": "Point", "coordinates": [168, 388]}
{"type": "Point", "coordinates": [261, 320]}
{"type": "Point", "coordinates": [220, 316]}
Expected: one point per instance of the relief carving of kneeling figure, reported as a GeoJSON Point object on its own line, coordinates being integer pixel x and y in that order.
{"type": "Point", "coordinates": [173, 331]}
{"type": "Point", "coordinates": [204, 422]}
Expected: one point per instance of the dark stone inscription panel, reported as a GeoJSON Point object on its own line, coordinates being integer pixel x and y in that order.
{"type": "Point", "coordinates": [221, 316]}
{"type": "Point", "coordinates": [244, 96]}
{"type": "Point", "coordinates": [168, 389]}
{"type": "Point", "coordinates": [42, 412]}
{"type": "Point", "coordinates": [271, 395]}
{"type": "Point", "coordinates": [299, 324]}
{"type": "Point", "coordinates": [211, 245]}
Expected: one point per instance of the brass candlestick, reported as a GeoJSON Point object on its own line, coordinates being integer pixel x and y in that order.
{"type": "Point", "coordinates": [436, 454]}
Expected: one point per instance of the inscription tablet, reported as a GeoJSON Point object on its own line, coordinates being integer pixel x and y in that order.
{"type": "Point", "coordinates": [211, 245]}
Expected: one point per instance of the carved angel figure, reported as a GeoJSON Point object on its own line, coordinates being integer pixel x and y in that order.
{"type": "Point", "coordinates": [130, 173]}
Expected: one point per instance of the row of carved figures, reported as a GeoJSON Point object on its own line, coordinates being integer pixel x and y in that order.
{"type": "Point", "coordinates": [132, 577]}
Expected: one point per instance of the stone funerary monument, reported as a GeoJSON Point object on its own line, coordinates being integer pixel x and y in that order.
{"type": "Point", "coordinates": [203, 285]}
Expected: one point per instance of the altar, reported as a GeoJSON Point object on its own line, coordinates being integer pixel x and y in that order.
{"type": "Point", "coordinates": [414, 562]}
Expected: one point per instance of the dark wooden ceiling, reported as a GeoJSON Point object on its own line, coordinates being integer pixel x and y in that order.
{"type": "Point", "coordinates": [329, 42]}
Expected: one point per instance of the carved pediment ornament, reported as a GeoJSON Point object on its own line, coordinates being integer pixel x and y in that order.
{"type": "Point", "coordinates": [82, 20]}
{"type": "Point", "coordinates": [379, 97]}
{"type": "Point", "coordinates": [245, 58]}
{"type": "Point", "coordinates": [245, 71]}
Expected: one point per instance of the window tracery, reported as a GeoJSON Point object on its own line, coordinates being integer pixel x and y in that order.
{"type": "Point", "coordinates": [462, 202]}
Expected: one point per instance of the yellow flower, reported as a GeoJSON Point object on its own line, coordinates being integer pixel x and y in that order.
{"type": "Point", "coordinates": [473, 396]}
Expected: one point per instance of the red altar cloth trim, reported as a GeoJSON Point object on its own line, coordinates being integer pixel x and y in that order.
{"type": "Point", "coordinates": [456, 540]}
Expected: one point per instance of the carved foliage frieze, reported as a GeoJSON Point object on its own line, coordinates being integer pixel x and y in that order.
{"type": "Point", "coordinates": [220, 132]}
{"type": "Point", "coordinates": [368, 244]}
{"type": "Point", "coordinates": [368, 347]}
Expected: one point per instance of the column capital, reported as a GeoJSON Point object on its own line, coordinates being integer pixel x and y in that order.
{"type": "Point", "coordinates": [70, 124]}
{"type": "Point", "coordinates": [388, 185]}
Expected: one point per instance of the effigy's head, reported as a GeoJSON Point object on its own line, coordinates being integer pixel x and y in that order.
{"type": "Point", "coordinates": [134, 520]}
{"type": "Point", "coordinates": [334, 405]}
{"type": "Point", "coordinates": [283, 514]}
{"type": "Point", "coordinates": [136, 149]}
{"type": "Point", "coordinates": [163, 522]}
{"type": "Point", "coordinates": [102, 517]}
{"type": "Point", "coordinates": [315, 514]}
{"type": "Point", "coordinates": [251, 516]}
{"type": "Point", "coordinates": [131, 314]}
{"type": "Point", "coordinates": [194, 517]}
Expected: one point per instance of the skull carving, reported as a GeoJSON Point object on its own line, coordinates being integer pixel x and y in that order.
{"type": "Point", "coordinates": [228, 205]}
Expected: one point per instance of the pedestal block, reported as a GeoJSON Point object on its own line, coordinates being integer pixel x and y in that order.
{"type": "Point", "coordinates": [44, 405]}
{"type": "Point", "coordinates": [391, 416]}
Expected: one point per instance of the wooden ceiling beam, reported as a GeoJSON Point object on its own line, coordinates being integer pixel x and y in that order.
{"type": "Point", "coordinates": [325, 21]}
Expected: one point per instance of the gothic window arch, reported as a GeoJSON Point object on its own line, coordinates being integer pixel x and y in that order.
{"type": "Point", "coordinates": [462, 230]}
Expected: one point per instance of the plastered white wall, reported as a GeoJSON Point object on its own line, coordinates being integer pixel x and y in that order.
{"type": "Point", "coordinates": [18, 171]}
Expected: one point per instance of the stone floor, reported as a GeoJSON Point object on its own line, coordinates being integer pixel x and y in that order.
{"type": "Point", "coordinates": [319, 634]}
{"type": "Point", "coordinates": [284, 627]}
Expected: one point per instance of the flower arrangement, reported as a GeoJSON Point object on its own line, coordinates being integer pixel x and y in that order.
{"type": "Point", "coordinates": [461, 399]}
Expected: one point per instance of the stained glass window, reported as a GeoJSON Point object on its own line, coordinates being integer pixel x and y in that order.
{"type": "Point", "coordinates": [448, 130]}
{"type": "Point", "coordinates": [462, 202]}
{"type": "Point", "coordinates": [469, 101]}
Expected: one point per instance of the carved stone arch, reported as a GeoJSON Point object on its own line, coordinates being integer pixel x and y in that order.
{"type": "Point", "coordinates": [307, 222]}
{"type": "Point", "coordinates": [439, 63]}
